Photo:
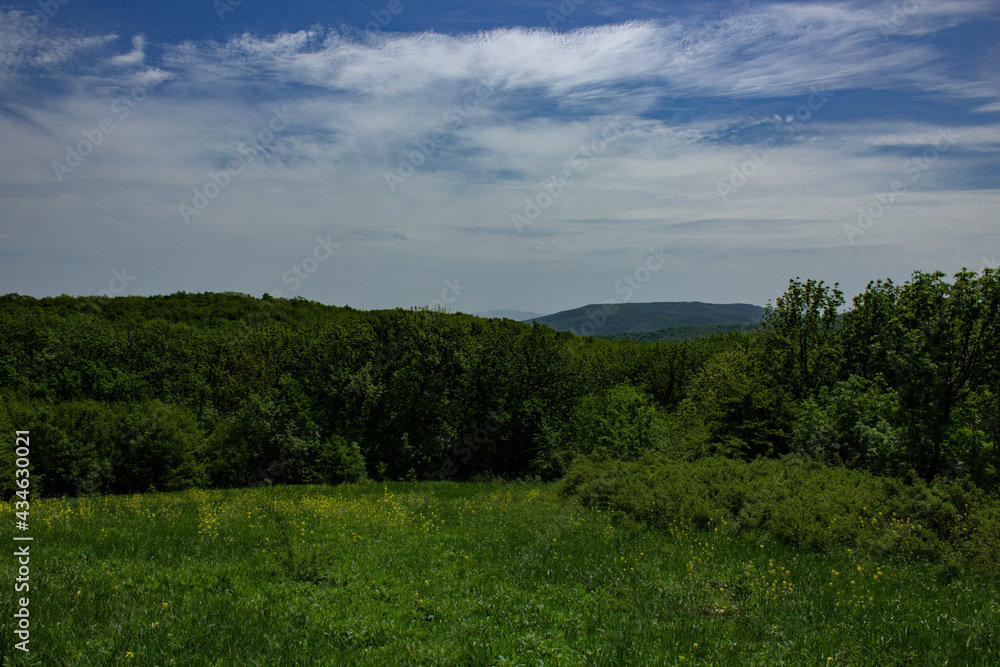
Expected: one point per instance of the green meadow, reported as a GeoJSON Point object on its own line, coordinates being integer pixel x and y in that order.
{"type": "Point", "coordinates": [450, 574]}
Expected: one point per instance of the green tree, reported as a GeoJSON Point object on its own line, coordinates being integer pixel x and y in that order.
{"type": "Point", "coordinates": [950, 349]}
{"type": "Point", "coordinates": [746, 411]}
{"type": "Point", "coordinates": [937, 344]}
{"type": "Point", "coordinates": [163, 449]}
{"type": "Point", "coordinates": [620, 422]}
{"type": "Point", "coordinates": [850, 423]}
{"type": "Point", "coordinates": [800, 332]}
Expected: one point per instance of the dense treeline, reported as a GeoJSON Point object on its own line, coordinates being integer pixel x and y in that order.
{"type": "Point", "coordinates": [168, 392]}
{"type": "Point", "coordinates": [679, 333]}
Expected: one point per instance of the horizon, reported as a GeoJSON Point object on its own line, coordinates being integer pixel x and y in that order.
{"type": "Point", "coordinates": [347, 305]}
{"type": "Point", "coordinates": [529, 156]}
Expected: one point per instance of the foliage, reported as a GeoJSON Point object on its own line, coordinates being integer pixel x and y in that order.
{"type": "Point", "coordinates": [851, 423]}
{"type": "Point", "coordinates": [800, 337]}
{"type": "Point", "coordinates": [163, 449]}
{"type": "Point", "coordinates": [620, 422]}
{"type": "Point", "coordinates": [680, 333]}
{"type": "Point", "coordinates": [226, 390]}
{"type": "Point", "coordinates": [745, 413]}
{"type": "Point", "coordinates": [800, 503]}
{"type": "Point", "coordinates": [936, 345]}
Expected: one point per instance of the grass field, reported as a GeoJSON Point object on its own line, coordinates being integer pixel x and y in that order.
{"type": "Point", "coordinates": [461, 574]}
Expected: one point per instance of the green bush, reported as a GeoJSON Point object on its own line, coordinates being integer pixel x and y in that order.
{"type": "Point", "coordinates": [163, 449]}
{"type": "Point", "coordinates": [799, 502]}
{"type": "Point", "coordinates": [553, 455]}
{"type": "Point", "coordinates": [850, 423]}
{"type": "Point", "coordinates": [317, 461]}
{"type": "Point", "coordinates": [620, 422]}
{"type": "Point", "coordinates": [246, 441]}
{"type": "Point", "coordinates": [974, 442]}
{"type": "Point", "coordinates": [70, 442]}
{"type": "Point", "coordinates": [85, 446]}
{"type": "Point", "coordinates": [744, 412]}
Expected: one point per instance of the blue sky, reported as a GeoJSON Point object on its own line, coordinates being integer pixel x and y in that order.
{"type": "Point", "coordinates": [528, 155]}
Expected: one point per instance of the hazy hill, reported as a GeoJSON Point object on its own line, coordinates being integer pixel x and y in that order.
{"type": "Point", "coordinates": [628, 318]}
{"type": "Point", "coordinates": [519, 315]}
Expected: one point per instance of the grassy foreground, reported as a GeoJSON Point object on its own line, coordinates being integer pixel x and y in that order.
{"type": "Point", "coordinates": [460, 574]}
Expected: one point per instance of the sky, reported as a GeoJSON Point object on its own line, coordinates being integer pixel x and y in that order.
{"type": "Point", "coordinates": [533, 155]}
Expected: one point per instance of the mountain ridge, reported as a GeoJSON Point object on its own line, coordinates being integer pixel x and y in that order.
{"type": "Point", "coordinates": [507, 313]}
{"type": "Point", "coordinates": [626, 318]}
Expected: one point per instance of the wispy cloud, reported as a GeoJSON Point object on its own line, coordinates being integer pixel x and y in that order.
{"type": "Point", "coordinates": [27, 51]}
{"type": "Point", "coordinates": [777, 50]}
{"type": "Point", "coordinates": [693, 96]}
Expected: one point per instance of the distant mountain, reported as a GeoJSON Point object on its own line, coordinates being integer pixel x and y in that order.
{"type": "Point", "coordinates": [519, 315]}
{"type": "Point", "coordinates": [625, 318]}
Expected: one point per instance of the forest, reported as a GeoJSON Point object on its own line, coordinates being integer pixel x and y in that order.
{"type": "Point", "coordinates": [165, 393]}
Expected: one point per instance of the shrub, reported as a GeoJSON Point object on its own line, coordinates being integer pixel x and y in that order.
{"type": "Point", "coordinates": [620, 422]}
{"type": "Point", "coordinates": [973, 444]}
{"type": "Point", "coordinates": [553, 456]}
{"type": "Point", "coordinates": [797, 501]}
{"type": "Point", "coordinates": [70, 442]}
{"type": "Point", "coordinates": [163, 449]}
{"type": "Point", "coordinates": [850, 423]}
{"type": "Point", "coordinates": [743, 411]}
{"type": "Point", "coordinates": [318, 461]}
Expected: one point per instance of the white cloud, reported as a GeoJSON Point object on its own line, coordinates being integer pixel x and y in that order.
{"type": "Point", "coordinates": [361, 105]}
{"type": "Point", "coordinates": [26, 49]}
{"type": "Point", "coordinates": [993, 107]}
{"type": "Point", "coordinates": [152, 77]}
{"type": "Point", "coordinates": [135, 57]}
{"type": "Point", "coordinates": [776, 50]}
{"type": "Point", "coordinates": [975, 136]}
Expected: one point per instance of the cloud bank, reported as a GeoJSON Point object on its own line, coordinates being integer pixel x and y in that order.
{"type": "Point", "coordinates": [744, 144]}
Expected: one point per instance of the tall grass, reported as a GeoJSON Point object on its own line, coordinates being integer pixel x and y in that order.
{"type": "Point", "coordinates": [464, 574]}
